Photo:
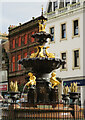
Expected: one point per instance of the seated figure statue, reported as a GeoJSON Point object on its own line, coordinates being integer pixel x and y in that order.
{"type": "Point", "coordinates": [32, 79]}
{"type": "Point", "coordinates": [53, 80]}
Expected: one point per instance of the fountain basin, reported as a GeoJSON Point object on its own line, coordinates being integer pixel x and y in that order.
{"type": "Point", "coordinates": [41, 65]}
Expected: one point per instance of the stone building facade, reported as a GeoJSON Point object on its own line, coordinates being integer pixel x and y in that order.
{"type": "Point", "coordinates": [66, 24]}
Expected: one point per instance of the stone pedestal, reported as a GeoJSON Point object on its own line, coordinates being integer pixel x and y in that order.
{"type": "Point", "coordinates": [53, 95]}
{"type": "Point", "coordinates": [65, 98]}
{"type": "Point", "coordinates": [32, 95]}
{"type": "Point", "coordinates": [74, 96]}
{"type": "Point", "coordinates": [43, 91]}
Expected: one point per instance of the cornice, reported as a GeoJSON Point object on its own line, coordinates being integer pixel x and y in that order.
{"type": "Point", "coordinates": [25, 26]}
{"type": "Point", "coordinates": [20, 29]}
{"type": "Point", "coordinates": [16, 73]}
{"type": "Point", "coordinates": [24, 47]}
{"type": "Point", "coordinates": [73, 78]}
{"type": "Point", "coordinates": [65, 13]}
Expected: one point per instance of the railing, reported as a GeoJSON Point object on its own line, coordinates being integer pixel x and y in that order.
{"type": "Point", "coordinates": [42, 111]}
{"type": "Point", "coordinates": [62, 10]}
{"type": "Point", "coordinates": [51, 14]}
{"type": "Point", "coordinates": [74, 6]}
{"type": "Point", "coordinates": [65, 9]}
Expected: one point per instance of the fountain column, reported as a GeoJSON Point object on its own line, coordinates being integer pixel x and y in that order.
{"type": "Point", "coordinates": [42, 63]}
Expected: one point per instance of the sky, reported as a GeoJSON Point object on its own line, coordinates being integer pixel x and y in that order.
{"type": "Point", "coordinates": [14, 12]}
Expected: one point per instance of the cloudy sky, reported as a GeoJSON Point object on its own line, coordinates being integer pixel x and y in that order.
{"type": "Point", "coordinates": [20, 11]}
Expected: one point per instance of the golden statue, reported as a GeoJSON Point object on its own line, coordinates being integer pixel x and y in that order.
{"type": "Point", "coordinates": [32, 79]}
{"type": "Point", "coordinates": [65, 90]}
{"type": "Point", "coordinates": [49, 55]}
{"type": "Point", "coordinates": [14, 86]}
{"type": "Point", "coordinates": [11, 86]}
{"type": "Point", "coordinates": [53, 80]}
{"type": "Point", "coordinates": [41, 52]}
{"type": "Point", "coordinates": [73, 87]}
{"type": "Point", "coordinates": [33, 55]}
{"type": "Point", "coordinates": [42, 26]}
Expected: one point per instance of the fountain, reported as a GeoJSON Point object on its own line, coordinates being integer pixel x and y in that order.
{"type": "Point", "coordinates": [41, 65]}
{"type": "Point", "coordinates": [43, 91]}
{"type": "Point", "coordinates": [73, 94]}
{"type": "Point", "coordinates": [14, 94]}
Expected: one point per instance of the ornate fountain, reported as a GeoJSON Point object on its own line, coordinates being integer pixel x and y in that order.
{"type": "Point", "coordinates": [41, 65]}
{"type": "Point", "coordinates": [42, 89]}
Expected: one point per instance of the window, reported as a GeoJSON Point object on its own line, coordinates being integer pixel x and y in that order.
{"type": "Point", "coordinates": [63, 57]}
{"type": "Point", "coordinates": [55, 5]}
{"type": "Point", "coordinates": [13, 63]}
{"type": "Point", "coordinates": [61, 5]}
{"type": "Point", "coordinates": [73, 1]}
{"type": "Point", "coordinates": [22, 40]}
{"type": "Point", "coordinates": [25, 42]}
{"type": "Point", "coordinates": [19, 65]}
{"type": "Point", "coordinates": [19, 43]}
{"type": "Point", "coordinates": [49, 7]}
{"type": "Point", "coordinates": [63, 31]}
{"type": "Point", "coordinates": [75, 23]}
{"type": "Point", "coordinates": [32, 39]}
{"type": "Point", "coordinates": [25, 55]}
{"type": "Point", "coordinates": [52, 33]}
{"type": "Point", "coordinates": [67, 2]}
{"type": "Point", "coordinates": [14, 43]}
{"type": "Point", "coordinates": [76, 58]}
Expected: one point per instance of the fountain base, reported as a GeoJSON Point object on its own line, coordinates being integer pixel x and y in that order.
{"type": "Point", "coordinates": [32, 95]}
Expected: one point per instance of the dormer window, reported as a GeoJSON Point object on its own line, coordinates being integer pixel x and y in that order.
{"type": "Point", "coordinates": [61, 5]}
{"type": "Point", "coordinates": [55, 5]}
{"type": "Point", "coordinates": [49, 7]}
{"type": "Point", "coordinates": [73, 1]}
{"type": "Point", "coordinates": [67, 2]}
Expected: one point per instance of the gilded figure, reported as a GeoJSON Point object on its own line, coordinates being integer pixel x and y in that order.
{"type": "Point", "coordinates": [49, 55]}
{"type": "Point", "coordinates": [13, 86]}
{"type": "Point", "coordinates": [65, 90]}
{"type": "Point", "coordinates": [42, 25]}
{"type": "Point", "coordinates": [33, 55]}
{"type": "Point", "coordinates": [41, 52]}
{"type": "Point", "coordinates": [73, 87]}
{"type": "Point", "coordinates": [32, 80]}
{"type": "Point", "coordinates": [53, 80]}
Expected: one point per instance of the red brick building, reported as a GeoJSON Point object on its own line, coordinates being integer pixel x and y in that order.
{"type": "Point", "coordinates": [21, 45]}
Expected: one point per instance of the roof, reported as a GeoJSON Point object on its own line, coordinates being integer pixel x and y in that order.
{"type": "Point", "coordinates": [25, 25]}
